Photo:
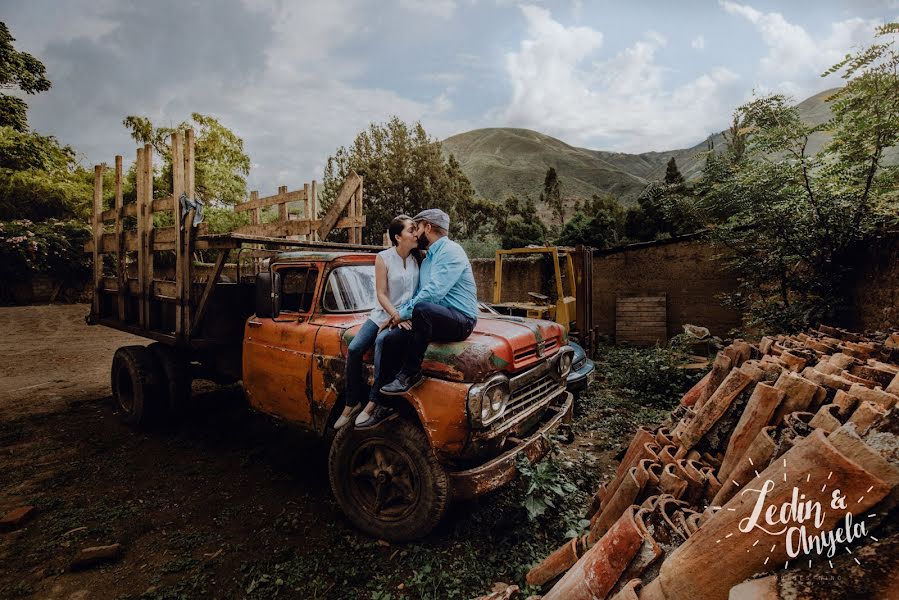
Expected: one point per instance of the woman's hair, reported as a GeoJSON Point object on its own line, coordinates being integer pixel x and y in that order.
{"type": "Point", "coordinates": [396, 227]}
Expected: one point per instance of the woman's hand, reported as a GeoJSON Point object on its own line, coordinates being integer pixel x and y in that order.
{"type": "Point", "coordinates": [395, 320]}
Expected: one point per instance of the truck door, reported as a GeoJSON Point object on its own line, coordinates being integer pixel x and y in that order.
{"type": "Point", "coordinates": [277, 355]}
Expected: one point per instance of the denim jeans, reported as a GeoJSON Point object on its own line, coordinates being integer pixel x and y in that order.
{"type": "Point", "coordinates": [367, 337]}
{"type": "Point", "coordinates": [433, 323]}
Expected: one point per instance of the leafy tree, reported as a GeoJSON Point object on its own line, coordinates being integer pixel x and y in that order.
{"type": "Point", "coordinates": [672, 173]}
{"type": "Point", "coordinates": [403, 172]}
{"type": "Point", "coordinates": [552, 194]}
{"type": "Point", "coordinates": [599, 224]}
{"type": "Point", "coordinates": [18, 70]}
{"type": "Point", "coordinates": [221, 162]}
{"type": "Point", "coordinates": [518, 224]}
{"type": "Point", "coordinates": [790, 222]}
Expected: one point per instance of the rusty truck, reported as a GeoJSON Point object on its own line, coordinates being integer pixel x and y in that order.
{"type": "Point", "coordinates": [280, 323]}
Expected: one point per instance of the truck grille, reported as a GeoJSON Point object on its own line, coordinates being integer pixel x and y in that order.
{"type": "Point", "coordinates": [529, 352]}
{"type": "Point", "coordinates": [529, 395]}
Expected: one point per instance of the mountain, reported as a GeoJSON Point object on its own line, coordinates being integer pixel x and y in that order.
{"type": "Point", "coordinates": [501, 161]}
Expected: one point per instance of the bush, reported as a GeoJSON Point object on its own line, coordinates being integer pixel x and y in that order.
{"type": "Point", "coordinates": [653, 376]}
{"type": "Point", "coordinates": [54, 248]}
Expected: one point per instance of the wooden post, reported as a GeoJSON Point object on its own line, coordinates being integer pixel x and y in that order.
{"type": "Point", "coordinates": [177, 190]}
{"type": "Point", "coordinates": [122, 255]}
{"type": "Point", "coordinates": [497, 278]}
{"type": "Point", "coordinates": [359, 212]}
{"type": "Point", "coordinates": [189, 185]}
{"type": "Point", "coordinates": [351, 213]}
{"type": "Point", "coordinates": [254, 213]}
{"type": "Point", "coordinates": [307, 211]}
{"type": "Point", "coordinates": [313, 202]}
{"type": "Point", "coordinates": [142, 284]}
{"type": "Point", "coordinates": [98, 237]}
{"type": "Point", "coordinates": [149, 235]}
{"type": "Point", "coordinates": [282, 207]}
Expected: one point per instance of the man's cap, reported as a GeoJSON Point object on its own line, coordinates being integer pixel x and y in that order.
{"type": "Point", "coordinates": [435, 216]}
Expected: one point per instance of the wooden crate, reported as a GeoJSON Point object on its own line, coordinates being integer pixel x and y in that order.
{"type": "Point", "coordinates": [641, 320]}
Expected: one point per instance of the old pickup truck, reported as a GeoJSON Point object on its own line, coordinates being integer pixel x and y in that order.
{"type": "Point", "coordinates": [483, 401]}
{"type": "Point", "coordinates": [281, 326]}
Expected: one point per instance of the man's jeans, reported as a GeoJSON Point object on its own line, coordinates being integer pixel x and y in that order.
{"type": "Point", "coordinates": [433, 323]}
{"type": "Point", "coordinates": [367, 337]}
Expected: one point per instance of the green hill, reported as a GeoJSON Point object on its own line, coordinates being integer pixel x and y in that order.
{"type": "Point", "coordinates": [502, 161]}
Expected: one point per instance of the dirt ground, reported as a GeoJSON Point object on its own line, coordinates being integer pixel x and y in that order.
{"type": "Point", "coordinates": [228, 504]}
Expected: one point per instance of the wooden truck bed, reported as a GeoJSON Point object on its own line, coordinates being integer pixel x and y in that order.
{"type": "Point", "coordinates": [148, 280]}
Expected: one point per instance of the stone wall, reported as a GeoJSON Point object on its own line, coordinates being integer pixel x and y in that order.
{"type": "Point", "coordinates": [874, 299]}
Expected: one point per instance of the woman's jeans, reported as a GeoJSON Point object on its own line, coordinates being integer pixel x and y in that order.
{"type": "Point", "coordinates": [367, 337]}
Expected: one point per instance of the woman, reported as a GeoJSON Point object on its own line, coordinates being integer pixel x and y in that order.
{"type": "Point", "coordinates": [396, 279]}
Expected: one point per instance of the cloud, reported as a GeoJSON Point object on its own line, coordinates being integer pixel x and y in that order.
{"type": "Point", "coordinates": [438, 8]}
{"type": "Point", "coordinates": [796, 59]}
{"type": "Point", "coordinates": [284, 76]}
{"type": "Point", "coordinates": [561, 86]}
{"type": "Point", "coordinates": [698, 43]}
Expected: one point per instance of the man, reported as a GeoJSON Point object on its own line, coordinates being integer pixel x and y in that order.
{"type": "Point", "coordinates": [445, 308]}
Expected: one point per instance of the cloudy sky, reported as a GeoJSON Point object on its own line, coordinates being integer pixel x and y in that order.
{"type": "Point", "coordinates": [298, 79]}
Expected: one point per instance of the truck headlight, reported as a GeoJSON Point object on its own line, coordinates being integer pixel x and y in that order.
{"type": "Point", "coordinates": [488, 401]}
{"type": "Point", "coordinates": [563, 361]}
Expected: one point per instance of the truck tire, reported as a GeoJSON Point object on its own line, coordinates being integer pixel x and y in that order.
{"type": "Point", "coordinates": [176, 377]}
{"type": "Point", "coordinates": [388, 481]}
{"type": "Point", "coordinates": [135, 386]}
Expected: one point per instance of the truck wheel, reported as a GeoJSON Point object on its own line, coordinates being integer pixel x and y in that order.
{"type": "Point", "coordinates": [176, 381]}
{"type": "Point", "coordinates": [388, 481]}
{"type": "Point", "coordinates": [135, 373]}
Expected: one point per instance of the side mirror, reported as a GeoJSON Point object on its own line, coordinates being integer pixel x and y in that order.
{"type": "Point", "coordinates": [268, 295]}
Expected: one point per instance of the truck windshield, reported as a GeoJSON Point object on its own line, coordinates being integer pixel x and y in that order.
{"type": "Point", "coordinates": [350, 289]}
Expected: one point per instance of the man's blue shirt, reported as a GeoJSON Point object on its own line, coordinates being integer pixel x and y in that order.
{"type": "Point", "coordinates": [445, 278]}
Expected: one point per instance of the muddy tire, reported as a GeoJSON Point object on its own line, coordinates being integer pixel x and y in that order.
{"type": "Point", "coordinates": [388, 481]}
{"type": "Point", "coordinates": [135, 388]}
{"type": "Point", "coordinates": [176, 378]}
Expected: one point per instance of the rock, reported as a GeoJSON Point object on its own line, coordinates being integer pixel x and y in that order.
{"type": "Point", "coordinates": [15, 517]}
{"type": "Point", "coordinates": [88, 557]}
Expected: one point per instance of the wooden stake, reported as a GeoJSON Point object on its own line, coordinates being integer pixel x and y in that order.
{"type": "Point", "coordinates": [141, 243]}
{"type": "Point", "coordinates": [98, 237]}
{"type": "Point", "coordinates": [189, 184]}
{"type": "Point", "coordinates": [177, 190]}
{"type": "Point", "coordinates": [146, 207]}
{"type": "Point", "coordinates": [121, 254]}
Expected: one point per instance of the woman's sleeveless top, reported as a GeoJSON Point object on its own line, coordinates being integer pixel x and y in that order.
{"type": "Point", "coordinates": [402, 282]}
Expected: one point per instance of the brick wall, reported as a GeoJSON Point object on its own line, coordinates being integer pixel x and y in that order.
{"type": "Point", "coordinates": [874, 299]}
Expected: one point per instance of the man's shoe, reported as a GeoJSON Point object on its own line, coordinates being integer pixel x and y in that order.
{"type": "Point", "coordinates": [378, 415]}
{"type": "Point", "coordinates": [402, 384]}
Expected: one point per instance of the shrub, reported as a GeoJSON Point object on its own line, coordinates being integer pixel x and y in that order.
{"type": "Point", "coordinates": [653, 376]}
{"type": "Point", "coordinates": [54, 248]}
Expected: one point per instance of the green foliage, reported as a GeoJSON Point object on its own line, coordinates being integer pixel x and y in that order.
{"type": "Point", "coordinates": [672, 173]}
{"type": "Point", "coordinates": [599, 223]}
{"type": "Point", "coordinates": [224, 220]}
{"type": "Point", "coordinates": [39, 179]}
{"type": "Point", "coordinates": [52, 247]}
{"type": "Point", "coordinates": [404, 172]}
{"type": "Point", "coordinates": [221, 163]}
{"type": "Point", "coordinates": [545, 485]}
{"type": "Point", "coordinates": [18, 70]}
{"type": "Point", "coordinates": [552, 194]}
{"type": "Point", "coordinates": [518, 225]}
{"type": "Point", "coordinates": [789, 222]}
{"type": "Point", "coordinates": [652, 376]}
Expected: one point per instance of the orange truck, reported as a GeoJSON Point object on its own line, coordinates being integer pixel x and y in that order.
{"type": "Point", "coordinates": [483, 402]}
{"type": "Point", "coordinates": [282, 327]}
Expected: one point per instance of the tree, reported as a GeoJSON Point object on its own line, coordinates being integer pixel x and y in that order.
{"type": "Point", "coordinates": [600, 223]}
{"type": "Point", "coordinates": [403, 172]}
{"type": "Point", "coordinates": [789, 222]}
{"type": "Point", "coordinates": [518, 224]}
{"type": "Point", "coordinates": [552, 194]}
{"type": "Point", "coordinates": [672, 173]}
{"type": "Point", "coordinates": [22, 71]}
{"type": "Point", "coordinates": [221, 163]}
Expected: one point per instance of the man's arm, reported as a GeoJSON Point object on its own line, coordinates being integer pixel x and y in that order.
{"type": "Point", "coordinates": [445, 272]}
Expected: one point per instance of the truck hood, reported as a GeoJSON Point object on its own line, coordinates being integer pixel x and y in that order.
{"type": "Point", "coordinates": [498, 343]}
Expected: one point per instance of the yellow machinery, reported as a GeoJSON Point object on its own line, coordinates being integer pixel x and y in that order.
{"type": "Point", "coordinates": [563, 312]}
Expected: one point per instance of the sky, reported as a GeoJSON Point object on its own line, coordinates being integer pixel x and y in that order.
{"type": "Point", "coordinates": [297, 80]}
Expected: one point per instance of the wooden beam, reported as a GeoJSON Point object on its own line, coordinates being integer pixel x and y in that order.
{"type": "Point", "coordinates": [142, 248]}
{"type": "Point", "coordinates": [347, 193]}
{"type": "Point", "coordinates": [122, 255]}
{"type": "Point", "coordinates": [98, 233]}
{"type": "Point", "coordinates": [280, 198]}
{"type": "Point", "coordinates": [207, 292]}
{"type": "Point", "coordinates": [187, 250]}
{"type": "Point", "coordinates": [177, 190]}
{"type": "Point", "coordinates": [233, 240]}
{"type": "Point", "coordinates": [282, 206]}
{"type": "Point", "coordinates": [149, 234]}
{"type": "Point", "coordinates": [313, 210]}
{"type": "Point", "coordinates": [289, 228]}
